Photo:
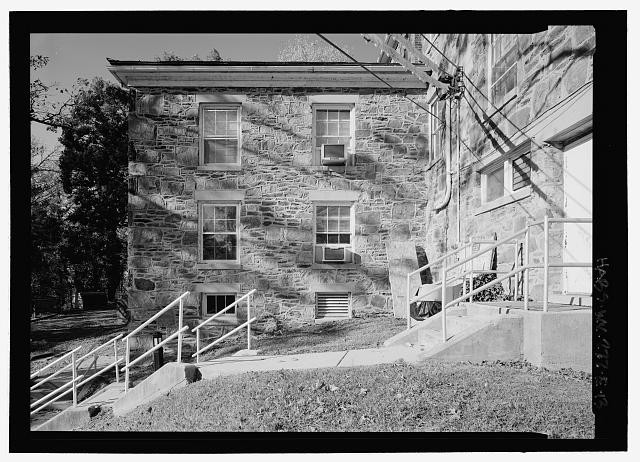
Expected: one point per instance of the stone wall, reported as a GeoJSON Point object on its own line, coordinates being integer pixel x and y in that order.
{"type": "Point", "coordinates": [276, 235]}
{"type": "Point", "coordinates": [552, 66]}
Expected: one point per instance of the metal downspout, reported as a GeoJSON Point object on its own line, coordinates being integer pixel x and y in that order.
{"type": "Point", "coordinates": [447, 195]}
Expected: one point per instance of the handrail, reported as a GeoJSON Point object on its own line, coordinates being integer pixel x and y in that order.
{"type": "Point", "coordinates": [161, 344]}
{"type": "Point", "coordinates": [218, 340]}
{"type": "Point", "coordinates": [117, 337]}
{"type": "Point", "coordinates": [206, 321]}
{"type": "Point", "coordinates": [438, 260]}
{"type": "Point", "coordinates": [155, 316]}
{"type": "Point", "coordinates": [101, 371]}
{"type": "Point", "coordinates": [524, 268]}
{"type": "Point", "coordinates": [35, 374]}
{"type": "Point", "coordinates": [196, 329]}
{"type": "Point", "coordinates": [178, 333]}
{"type": "Point", "coordinates": [486, 249]}
{"type": "Point", "coordinates": [418, 298]}
{"type": "Point", "coordinates": [71, 382]}
{"type": "Point", "coordinates": [44, 398]}
{"type": "Point", "coordinates": [486, 286]}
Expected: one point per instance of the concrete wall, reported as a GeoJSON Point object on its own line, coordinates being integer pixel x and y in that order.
{"type": "Point", "coordinates": [558, 339]}
{"type": "Point", "coordinates": [553, 64]}
{"type": "Point", "coordinates": [277, 175]}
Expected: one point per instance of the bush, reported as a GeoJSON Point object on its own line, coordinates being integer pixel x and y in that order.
{"type": "Point", "coordinates": [491, 294]}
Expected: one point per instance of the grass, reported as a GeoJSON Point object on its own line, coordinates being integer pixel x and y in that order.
{"type": "Point", "coordinates": [433, 396]}
{"type": "Point", "coordinates": [348, 334]}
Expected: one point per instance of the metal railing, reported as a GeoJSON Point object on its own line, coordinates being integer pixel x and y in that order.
{"type": "Point", "coordinates": [178, 333]}
{"type": "Point", "coordinates": [522, 269]}
{"type": "Point", "coordinates": [246, 324]}
{"type": "Point", "coordinates": [75, 381]}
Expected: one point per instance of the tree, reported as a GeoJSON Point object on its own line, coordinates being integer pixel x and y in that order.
{"type": "Point", "coordinates": [305, 47]}
{"type": "Point", "coordinates": [93, 171]}
{"type": "Point", "coordinates": [48, 268]}
{"type": "Point", "coordinates": [43, 108]}
{"type": "Point", "coordinates": [166, 55]}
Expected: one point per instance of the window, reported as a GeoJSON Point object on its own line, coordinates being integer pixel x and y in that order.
{"type": "Point", "coordinates": [504, 55]}
{"type": "Point", "coordinates": [333, 133]}
{"type": "Point", "coordinates": [333, 305]}
{"type": "Point", "coordinates": [333, 233]}
{"type": "Point", "coordinates": [219, 224]}
{"type": "Point", "coordinates": [214, 303]}
{"type": "Point", "coordinates": [505, 178]}
{"type": "Point", "coordinates": [220, 135]}
{"type": "Point", "coordinates": [436, 129]}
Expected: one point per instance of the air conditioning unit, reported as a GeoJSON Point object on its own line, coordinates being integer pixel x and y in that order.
{"type": "Point", "coordinates": [334, 254]}
{"type": "Point", "coordinates": [333, 154]}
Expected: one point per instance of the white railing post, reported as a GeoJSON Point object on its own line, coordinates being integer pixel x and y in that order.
{"type": "Point", "coordinates": [180, 315]}
{"type": "Point", "coordinates": [525, 257]}
{"type": "Point", "coordinates": [127, 356]}
{"type": "Point", "coordinates": [249, 325]}
{"type": "Point", "coordinates": [444, 303]}
{"type": "Point", "coordinates": [545, 293]}
{"type": "Point", "coordinates": [515, 266]}
{"type": "Point", "coordinates": [197, 345]}
{"type": "Point", "coordinates": [471, 283]}
{"type": "Point", "coordinates": [115, 358]}
{"type": "Point", "coordinates": [408, 301]}
{"type": "Point", "coordinates": [73, 377]}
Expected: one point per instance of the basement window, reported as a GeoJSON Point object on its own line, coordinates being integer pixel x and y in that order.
{"type": "Point", "coordinates": [214, 303]}
{"type": "Point", "coordinates": [504, 54]}
{"type": "Point", "coordinates": [220, 136]}
{"type": "Point", "coordinates": [333, 305]}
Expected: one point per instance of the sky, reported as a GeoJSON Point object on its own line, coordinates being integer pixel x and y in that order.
{"type": "Point", "coordinates": [74, 56]}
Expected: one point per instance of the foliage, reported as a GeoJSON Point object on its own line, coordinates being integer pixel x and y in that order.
{"type": "Point", "coordinates": [491, 294]}
{"type": "Point", "coordinates": [48, 270]}
{"type": "Point", "coordinates": [93, 171]}
{"type": "Point", "coordinates": [305, 47]}
{"type": "Point", "coordinates": [167, 55]}
{"type": "Point", "coordinates": [44, 108]}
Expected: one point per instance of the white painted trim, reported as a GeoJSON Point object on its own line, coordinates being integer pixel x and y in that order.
{"type": "Point", "coordinates": [333, 99]}
{"type": "Point", "coordinates": [219, 195]}
{"type": "Point", "coordinates": [515, 196]}
{"type": "Point", "coordinates": [330, 195]}
{"type": "Point", "coordinates": [220, 98]}
{"type": "Point", "coordinates": [352, 232]}
{"type": "Point", "coordinates": [217, 264]}
{"type": "Point", "coordinates": [216, 287]}
{"type": "Point", "coordinates": [351, 149]}
{"type": "Point", "coordinates": [201, 138]}
{"type": "Point", "coordinates": [264, 75]}
{"type": "Point", "coordinates": [333, 287]}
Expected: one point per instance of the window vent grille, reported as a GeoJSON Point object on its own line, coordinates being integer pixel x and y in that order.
{"type": "Point", "coordinates": [332, 305]}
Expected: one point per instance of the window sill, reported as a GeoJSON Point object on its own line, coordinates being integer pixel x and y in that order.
{"type": "Point", "coordinates": [219, 265]}
{"type": "Point", "coordinates": [504, 200]}
{"type": "Point", "coordinates": [220, 167]}
{"type": "Point", "coordinates": [330, 266]}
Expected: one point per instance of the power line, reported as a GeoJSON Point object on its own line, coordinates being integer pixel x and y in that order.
{"type": "Point", "coordinates": [436, 48]}
{"type": "Point", "coordinates": [376, 76]}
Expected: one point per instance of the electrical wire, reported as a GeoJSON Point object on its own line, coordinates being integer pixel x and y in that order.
{"type": "Point", "coordinates": [436, 48]}
{"type": "Point", "coordinates": [376, 76]}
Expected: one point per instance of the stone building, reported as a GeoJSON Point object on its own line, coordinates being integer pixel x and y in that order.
{"type": "Point", "coordinates": [307, 181]}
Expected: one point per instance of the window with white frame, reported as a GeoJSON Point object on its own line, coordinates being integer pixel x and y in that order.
{"type": "Point", "coordinates": [504, 54]}
{"type": "Point", "coordinates": [506, 178]}
{"type": "Point", "coordinates": [219, 224]}
{"type": "Point", "coordinates": [214, 303]}
{"type": "Point", "coordinates": [220, 135]}
{"type": "Point", "coordinates": [333, 230]}
{"type": "Point", "coordinates": [333, 134]}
